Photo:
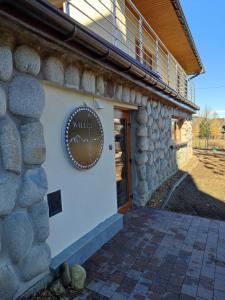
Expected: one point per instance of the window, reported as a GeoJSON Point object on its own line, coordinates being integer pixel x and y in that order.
{"type": "Point", "coordinates": [176, 129]}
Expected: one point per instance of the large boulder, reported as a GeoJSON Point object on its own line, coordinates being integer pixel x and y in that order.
{"type": "Point", "coordinates": [53, 70]}
{"type": "Point", "coordinates": [33, 144]}
{"type": "Point", "coordinates": [88, 81]}
{"type": "Point", "coordinates": [34, 187]}
{"type": "Point", "coordinates": [142, 116]}
{"type": "Point", "coordinates": [72, 76]}
{"type": "Point", "coordinates": [26, 96]}
{"type": "Point", "coordinates": [10, 146]}
{"type": "Point", "coordinates": [6, 63]}
{"type": "Point", "coordinates": [9, 189]}
{"type": "Point", "coordinates": [40, 217]}
{"type": "Point", "coordinates": [8, 281]}
{"type": "Point", "coordinates": [36, 262]}
{"type": "Point", "coordinates": [18, 235]}
{"type": "Point", "coordinates": [27, 60]}
{"type": "Point", "coordinates": [3, 102]}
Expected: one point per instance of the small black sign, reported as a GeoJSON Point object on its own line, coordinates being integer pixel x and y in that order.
{"type": "Point", "coordinates": [54, 203]}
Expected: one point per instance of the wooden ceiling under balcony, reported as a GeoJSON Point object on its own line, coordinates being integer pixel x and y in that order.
{"type": "Point", "coordinates": [162, 17]}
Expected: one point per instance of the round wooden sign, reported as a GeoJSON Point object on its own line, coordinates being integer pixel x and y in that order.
{"type": "Point", "coordinates": [84, 137]}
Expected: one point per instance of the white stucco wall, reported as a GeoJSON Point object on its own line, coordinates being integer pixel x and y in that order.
{"type": "Point", "coordinates": [88, 197]}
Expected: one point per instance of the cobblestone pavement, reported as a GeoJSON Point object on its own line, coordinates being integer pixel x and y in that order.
{"type": "Point", "coordinates": [160, 255]}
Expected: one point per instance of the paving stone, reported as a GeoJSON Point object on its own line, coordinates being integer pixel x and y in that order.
{"type": "Point", "coordinates": [189, 290]}
{"type": "Point", "coordinates": [156, 259]}
{"type": "Point", "coordinates": [219, 295]}
{"type": "Point", "coordinates": [205, 293]}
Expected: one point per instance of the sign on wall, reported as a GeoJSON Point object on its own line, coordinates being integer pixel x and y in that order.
{"type": "Point", "coordinates": [84, 137]}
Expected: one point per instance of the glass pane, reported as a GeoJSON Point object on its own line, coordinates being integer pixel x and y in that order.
{"type": "Point", "coordinates": [121, 161]}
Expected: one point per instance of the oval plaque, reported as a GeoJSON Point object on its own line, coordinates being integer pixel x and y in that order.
{"type": "Point", "coordinates": [84, 137]}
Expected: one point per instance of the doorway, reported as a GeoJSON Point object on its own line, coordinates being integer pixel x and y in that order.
{"type": "Point", "coordinates": [122, 159]}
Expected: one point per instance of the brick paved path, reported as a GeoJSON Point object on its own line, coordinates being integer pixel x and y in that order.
{"type": "Point", "coordinates": [161, 255]}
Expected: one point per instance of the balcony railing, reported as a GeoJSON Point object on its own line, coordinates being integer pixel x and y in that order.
{"type": "Point", "coordinates": [121, 23]}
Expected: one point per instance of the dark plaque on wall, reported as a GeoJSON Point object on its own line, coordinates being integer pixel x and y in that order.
{"type": "Point", "coordinates": [84, 137]}
{"type": "Point", "coordinates": [54, 203]}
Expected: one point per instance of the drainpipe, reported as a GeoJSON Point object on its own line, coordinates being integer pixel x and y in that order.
{"type": "Point", "coordinates": [192, 77]}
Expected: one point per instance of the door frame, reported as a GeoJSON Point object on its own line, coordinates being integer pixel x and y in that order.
{"type": "Point", "coordinates": [126, 114]}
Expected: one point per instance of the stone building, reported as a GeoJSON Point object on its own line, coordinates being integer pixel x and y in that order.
{"type": "Point", "coordinates": [96, 105]}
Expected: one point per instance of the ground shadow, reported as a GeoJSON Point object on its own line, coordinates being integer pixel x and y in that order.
{"type": "Point", "coordinates": [188, 198]}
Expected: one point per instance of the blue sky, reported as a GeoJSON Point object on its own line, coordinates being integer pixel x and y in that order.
{"type": "Point", "coordinates": [206, 20]}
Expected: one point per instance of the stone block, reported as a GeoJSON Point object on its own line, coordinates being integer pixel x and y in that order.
{"type": "Point", "coordinates": [151, 146]}
{"type": "Point", "coordinates": [144, 100]}
{"type": "Point", "coordinates": [150, 120]}
{"type": "Point", "coordinates": [154, 104]}
{"type": "Point", "coordinates": [126, 94]}
{"type": "Point", "coordinates": [40, 217]}
{"type": "Point", "coordinates": [78, 276]}
{"type": "Point", "coordinates": [18, 235]}
{"type": "Point", "coordinates": [27, 60]}
{"type": "Point", "coordinates": [141, 172]}
{"type": "Point", "coordinates": [88, 81]}
{"type": "Point", "coordinates": [72, 76]}
{"type": "Point", "coordinates": [160, 122]}
{"type": "Point", "coordinates": [119, 92]}
{"type": "Point", "coordinates": [33, 144]}
{"type": "Point", "coordinates": [132, 96]}
{"type": "Point", "coordinates": [138, 98]}
{"type": "Point", "coordinates": [36, 262]}
{"type": "Point", "coordinates": [34, 187]}
{"type": "Point", "coordinates": [100, 85]}
{"type": "Point", "coordinates": [6, 63]}
{"type": "Point", "coordinates": [8, 281]}
{"type": "Point", "coordinates": [8, 194]}
{"type": "Point", "coordinates": [142, 131]}
{"type": "Point", "coordinates": [142, 187]}
{"type": "Point", "coordinates": [142, 116]}
{"type": "Point", "coordinates": [26, 96]}
{"type": "Point", "coordinates": [10, 146]}
{"type": "Point", "coordinates": [142, 143]}
{"type": "Point", "coordinates": [0, 236]}
{"type": "Point", "coordinates": [149, 107]}
{"type": "Point", "coordinates": [141, 158]}
{"type": "Point", "coordinates": [3, 102]}
{"type": "Point", "coordinates": [53, 70]}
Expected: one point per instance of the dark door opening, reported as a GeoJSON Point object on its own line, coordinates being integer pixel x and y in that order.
{"type": "Point", "coordinates": [123, 159]}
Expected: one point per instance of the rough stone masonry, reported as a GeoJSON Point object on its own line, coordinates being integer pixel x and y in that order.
{"type": "Point", "coordinates": [24, 221]}
{"type": "Point", "coordinates": [24, 224]}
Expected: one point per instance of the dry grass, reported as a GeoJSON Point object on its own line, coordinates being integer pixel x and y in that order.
{"type": "Point", "coordinates": [212, 143]}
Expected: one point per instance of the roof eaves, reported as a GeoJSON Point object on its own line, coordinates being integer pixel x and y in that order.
{"type": "Point", "coordinates": [181, 17]}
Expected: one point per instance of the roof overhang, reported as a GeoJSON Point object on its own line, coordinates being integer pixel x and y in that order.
{"type": "Point", "coordinates": [167, 19]}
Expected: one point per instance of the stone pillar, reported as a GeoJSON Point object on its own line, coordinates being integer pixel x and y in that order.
{"type": "Point", "coordinates": [24, 221]}
{"type": "Point", "coordinates": [141, 189]}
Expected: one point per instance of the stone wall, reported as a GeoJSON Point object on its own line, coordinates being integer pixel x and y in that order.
{"type": "Point", "coordinates": [24, 225]}
{"type": "Point", "coordinates": [157, 157]}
